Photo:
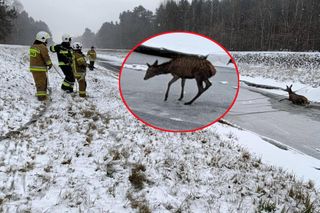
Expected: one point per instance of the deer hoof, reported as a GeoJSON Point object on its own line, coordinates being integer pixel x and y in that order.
{"type": "Point", "coordinates": [188, 103]}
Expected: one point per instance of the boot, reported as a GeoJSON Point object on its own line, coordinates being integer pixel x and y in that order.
{"type": "Point", "coordinates": [82, 94]}
{"type": "Point", "coordinates": [42, 98]}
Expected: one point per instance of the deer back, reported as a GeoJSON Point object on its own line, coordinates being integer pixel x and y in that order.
{"type": "Point", "coordinates": [298, 99]}
{"type": "Point", "coordinates": [188, 67]}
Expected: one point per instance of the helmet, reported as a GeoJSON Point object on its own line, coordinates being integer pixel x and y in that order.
{"type": "Point", "coordinates": [66, 38]}
{"type": "Point", "coordinates": [77, 46]}
{"type": "Point", "coordinates": [42, 36]}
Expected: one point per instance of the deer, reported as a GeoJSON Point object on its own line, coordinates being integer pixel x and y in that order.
{"type": "Point", "coordinates": [230, 62]}
{"type": "Point", "coordinates": [295, 98]}
{"type": "Point", "coordinates": [185, 67]}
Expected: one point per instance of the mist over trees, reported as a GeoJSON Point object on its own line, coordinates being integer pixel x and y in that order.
{"type": "Point", "coordinates": [25, 28]}
{"type": "Point", "coordinates": [7, 14]}
{"type": "Point", "coordinates": [134, 26]}
{"type": "Point", "coordinates": [237, 24]}
{"type": "Point", "coordinates": [108, 36]}
{"type": "Point", "coordinates": [19, 27]}
{"type": "Point", "coordinates": [88, 38]}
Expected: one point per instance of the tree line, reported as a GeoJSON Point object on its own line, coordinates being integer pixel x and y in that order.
{"type": "Point", "coordinates": [237, 24]}
{"type": "Point", "coordinates": [16, 26]}
{"type": "Point", "coordinates": [6, 16]}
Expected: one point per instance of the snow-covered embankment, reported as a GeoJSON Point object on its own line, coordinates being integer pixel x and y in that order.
{"type": "Point", "coordinates": [91, 154]}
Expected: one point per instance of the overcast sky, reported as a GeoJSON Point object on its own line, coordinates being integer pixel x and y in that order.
{"type": "Point", "coordinates": [73, 16]}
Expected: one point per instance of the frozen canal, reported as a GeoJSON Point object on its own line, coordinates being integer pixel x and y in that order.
{"type": "Point", "coordinates": [254, 110]}
{"type": "Point", "coordinates": [145, 98]}
{"type": "Point", "coordinates": [292, 125]}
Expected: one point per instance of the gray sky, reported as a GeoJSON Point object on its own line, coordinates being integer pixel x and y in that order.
{"type": "Point", "coordinates": [73, 16]}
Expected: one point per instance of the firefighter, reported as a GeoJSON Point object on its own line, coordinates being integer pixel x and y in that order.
{"type": "Point", "coordinates": [65, 54]}
{"type": "Point", "coordinates": [79, 68]}
{"type": "Point", "coordinates": [92, 55]}
{"type": "Point", "coordinates": [40, 62]}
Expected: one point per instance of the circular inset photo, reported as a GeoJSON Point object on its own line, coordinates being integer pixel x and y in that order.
{"type": "Point", "coordinates": [179, 81]}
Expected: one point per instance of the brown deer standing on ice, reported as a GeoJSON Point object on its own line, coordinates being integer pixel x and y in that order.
{"type": "Point", "coordinates": [188, 67]}
{"type": "Point", "coordinates": [297, 99]}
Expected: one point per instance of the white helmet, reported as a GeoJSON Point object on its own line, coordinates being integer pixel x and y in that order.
{"type": "Point", "coordinates": [42, 36]}
{"type": "Point", "coordinates": [77, 46]}
{"type": "Point", "coordinates": [66, 38]}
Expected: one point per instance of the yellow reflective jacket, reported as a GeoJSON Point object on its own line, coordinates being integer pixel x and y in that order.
{"type": "Point", "coordinates": [92, 55]}
{"type": "Point", "coordinates": [79, 63]}
{"type": "Point", "coordinates": [39, 58]}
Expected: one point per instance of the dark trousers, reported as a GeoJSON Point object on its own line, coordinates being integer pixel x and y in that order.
{"type": "Point", "coordinates": [69, 79]}
{"type": "Point", "coordinates": [91, 65]}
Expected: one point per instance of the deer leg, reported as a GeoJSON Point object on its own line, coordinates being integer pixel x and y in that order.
{"type": "Point", "coordinates": [175, 78]}
{"type": "Point", "coordinates": [283, 99]}
{"type": "Point", "coordinates": [183, 81]}
{"type": "Point", "coordinates": [200, 91]}
{"type": "Point", "coordinates": [208, 84]}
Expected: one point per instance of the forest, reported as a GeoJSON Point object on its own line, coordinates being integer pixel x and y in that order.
{"type": "Point", "coordinates": [243, 25]}
{"type": "Point", "coordinates": [237, 24]}
{"type": "Point", "coordinates": [16, 26]}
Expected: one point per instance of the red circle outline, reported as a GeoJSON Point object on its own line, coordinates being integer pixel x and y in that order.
{"type": "Point", "coordinates": [169, 130]}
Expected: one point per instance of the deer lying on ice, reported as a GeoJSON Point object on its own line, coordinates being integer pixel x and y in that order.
{"type": "Point", "coordinates": [188, 67]}
{"type": "Point", "coordinates": [297, 99]}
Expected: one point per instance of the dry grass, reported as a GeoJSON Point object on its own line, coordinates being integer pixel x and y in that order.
{"type": "Point", "coordinates": [137, 177]}
{"type": "Point", "coordinates": [87, 113]}
{"type": "Point", "coordinates": [140, 204]}
{"type": "Point", "coordinates": [266, 206]}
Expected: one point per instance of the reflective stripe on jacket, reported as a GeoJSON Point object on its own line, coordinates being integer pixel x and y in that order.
{"type": "Point", "coordinates": [39, 58]}
{"type": "Point", "coordinates": [79, 63]}
{"type": "Point", "coordinates": [64, 54]}
{"type": "Point", "coordinates": [92, 55]}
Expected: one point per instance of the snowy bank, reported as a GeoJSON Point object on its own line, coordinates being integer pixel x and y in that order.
{"type": "Point", "coordinates": [17, 104]}
{"type": "Point", "coordinates": [304, 166]}
{"type": "Point", "coordinates": [287, 67]}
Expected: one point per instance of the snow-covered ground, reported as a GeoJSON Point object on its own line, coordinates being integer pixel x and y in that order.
{"type": "Point", "coordinates": [14, 82]}
{"type": "Point", "coordinates": [185, 42]}
{"type": "Point", "coordinates": [291, 160]}
{"type": "Point", "coordinates": [92, 155]}
{"type": "Point", "coordinates": [114, 57]}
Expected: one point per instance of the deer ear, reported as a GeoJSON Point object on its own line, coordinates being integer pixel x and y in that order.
{"type": "Point", "coordinates": [290, 86]}
{"type": "Point", "coordinates": [155, 63]}
{"type": "Point", "coordinates": [148, 65]}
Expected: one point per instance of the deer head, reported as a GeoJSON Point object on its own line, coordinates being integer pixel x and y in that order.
{"type": "Point", "coordinates": [288, 89]}
{"type": "Point", "coordinates": [152, 70]}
